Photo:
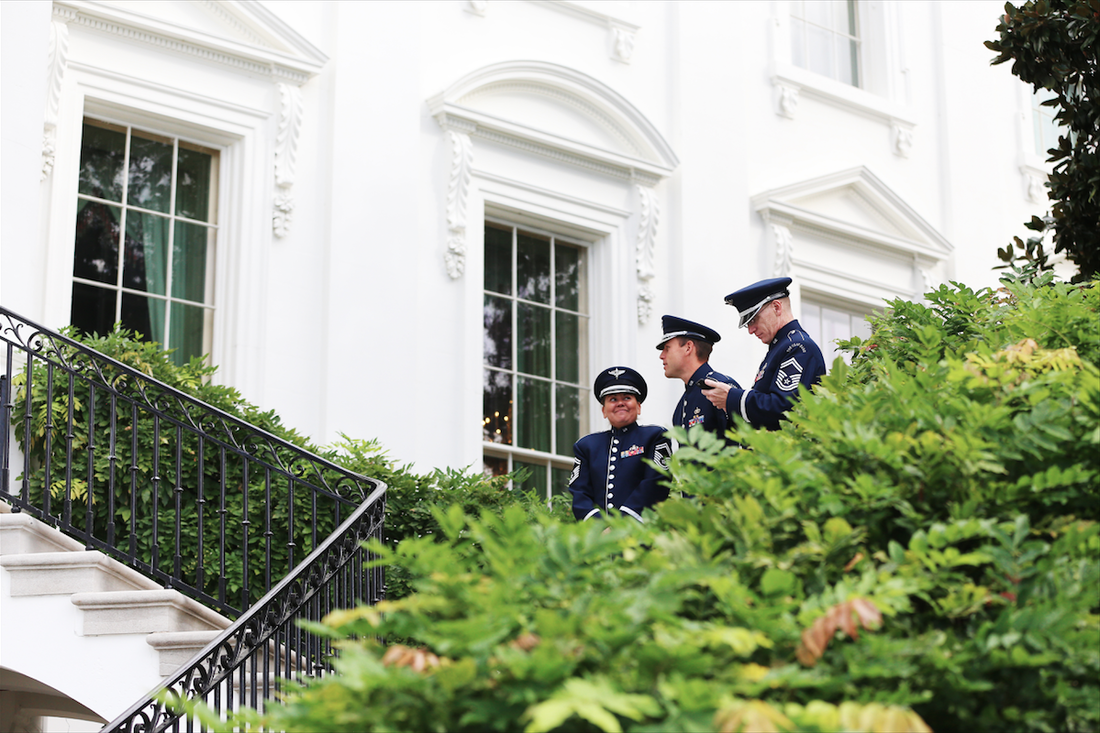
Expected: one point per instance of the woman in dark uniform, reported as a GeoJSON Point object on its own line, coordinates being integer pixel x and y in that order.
{"type": "Point", "coordinates": [609, 468]}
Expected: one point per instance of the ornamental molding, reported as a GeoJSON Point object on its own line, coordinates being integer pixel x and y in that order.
{"type": "Point", "coordinates": [548, 145]}
{"type": "Point", "coordinates": [55, 74]}
{"type": "Point", "coordinates": [784, 246]}
{"type": "Point", "coordinates": [648, 216]}
{"type": "Point", "coordinates": [1034, 184]}
{"type": "Point", "coordinates": [621, 32]}
{"type": "Point", "coordinates": [791, 84]}
{"type": "Point", "coordinates": [902, 230]}
{"type": "Point", "coordinates": [296, 62]}
{"type": "Point", "coordinates": [286, 155]}
{"type": "Point", "coordinates": [902, 134]}
{"type": "Point", "coordinates": [648, 152]}
{"type": "Point", "coordinates": [590, 111]}
{"type": "Point", "coordinates": [458, 192]}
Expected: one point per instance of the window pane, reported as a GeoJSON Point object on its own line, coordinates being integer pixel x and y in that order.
{"type": "Point", "coordinates": [567, 347]}
{"type": "Point", "coordinates": [96, 251]}
{"type": "Point", "coordinates": [819, 50]}
{"type": "Point", "coordinates": [535, 482]}
{"type": "Point", "coordinates": [145, 266]}
{"type": "Point", "coordinates": [496, 426]}
{"type": "Point", "coordinates": [498, 260]}
{"type": "Point", "coordinates": [533, 339]}
{"type": "Point", "coordinates": [93, 310]}
{"type": "Point", "coordinates": [533, 414]}
{"type": "Point", "coordinates": [559, 481]}
{"type": "Point", "coordinates": [567, 424]}
{"type": "Point", "coordinates": [494, 466]}
{"type": "Point", "coordinates": [190, 255]}
{"type": "Point", "coordinates": [186, 332]}
{"type": "Point", "coordinates": [102, 153]}
{"type": "Point", "coordinates": [533, 267]}
{"type": "Point", "coordinates": [144, 316]}
{"type": "Point", "coordinates": [498, 332]}
{"type": "Point", "coordinates": [569, 277]}
{"type": "Point", "coordinates": [150, 172]}
{"type": "Point", "coordinates": [193, 183]}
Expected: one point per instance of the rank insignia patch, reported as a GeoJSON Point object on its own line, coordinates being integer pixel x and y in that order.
{"type": "Point", "coordinates": [786, 379]}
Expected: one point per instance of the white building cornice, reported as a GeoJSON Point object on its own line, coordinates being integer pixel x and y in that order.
{"type": "Point", "coordinates": [271, 49]}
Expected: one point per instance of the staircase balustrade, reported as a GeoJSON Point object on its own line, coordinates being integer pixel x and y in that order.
{"type": "Point", "coordinates": [193, 497]}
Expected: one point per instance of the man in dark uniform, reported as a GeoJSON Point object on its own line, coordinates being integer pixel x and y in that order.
{"type": "Point", "coordinates": [685, 352]}
{"type": "Point", "coordinates": [609, 468]}
{"type": "Point", "coordinates": [793, 358]}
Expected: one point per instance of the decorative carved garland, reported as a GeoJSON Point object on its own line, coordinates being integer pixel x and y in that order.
{"type": "Point", "coordinates": [458, 191]}
{"type": "Point", "coordinates": [55, 72]}
{"type": "Point", "coordinates": [648, 216]}
{"type": "Point", "coordinates": [286, 155]}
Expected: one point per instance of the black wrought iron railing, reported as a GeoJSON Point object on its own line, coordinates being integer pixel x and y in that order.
{"type": "Point", "coordinates": [246, 665]}
{"type": "Point", "coordinates": [188, 494]}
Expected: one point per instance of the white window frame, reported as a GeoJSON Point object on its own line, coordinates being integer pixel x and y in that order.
{"type": "Point", "coordinates": [127, 207]}
{"type": "Point", "coordinates": [1034, 168]}
{"type": "Point", "coordinates": [609, 262]}
{"type": "Point", "coordinates": [553, 460]}
{"type": "Point", "coordinates": [810, 298]}
{"type": "Point", "coordinates": [883, 92]}
{"type": "Point", "coordinates": [244, 197]}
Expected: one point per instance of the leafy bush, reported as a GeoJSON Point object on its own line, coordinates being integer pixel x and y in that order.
{"type": "Point", "coordinates": [919, 547]}
{"type": "Point", "coordinates": [141, 459]}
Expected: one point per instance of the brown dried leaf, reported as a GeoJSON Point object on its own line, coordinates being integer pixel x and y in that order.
{"type": "Point", "coordinates": [525, 642]}
{"type": "Point", "coordinates": [419, 660]}
{"type": "Point", "coordinates": [847, 617]}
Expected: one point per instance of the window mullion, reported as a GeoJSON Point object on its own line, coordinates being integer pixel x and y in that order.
{"type": "Point", "coordinates": [119, 275]}
{"type": "Point", "coordinates": [171, 245]}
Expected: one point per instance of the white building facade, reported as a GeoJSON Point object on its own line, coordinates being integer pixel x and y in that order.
{"type": "Point", "coordinates": [434, 222]}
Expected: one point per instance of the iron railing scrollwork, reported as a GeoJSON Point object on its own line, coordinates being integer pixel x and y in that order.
{"type": "Point", "coordinates": [182, 491]}
{"type": "Point", "coordinates": [244, 666]}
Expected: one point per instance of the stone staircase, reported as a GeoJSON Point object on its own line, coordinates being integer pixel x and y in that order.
{"type": "Point", "coordinates": [96, 633]}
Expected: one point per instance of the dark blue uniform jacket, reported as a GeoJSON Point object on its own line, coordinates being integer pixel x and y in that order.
{"type": "Point", "coordinates": [695, 409]}
{"type": "Point", "coordinates": [609, 470]}
{"type": "Point", "coordinates": [793, 359]}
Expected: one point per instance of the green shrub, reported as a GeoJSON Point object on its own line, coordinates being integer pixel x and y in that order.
{"type": "Point", "coordinates": [919, 547]}
{"type": "Point", "coordinates": [125, 478]}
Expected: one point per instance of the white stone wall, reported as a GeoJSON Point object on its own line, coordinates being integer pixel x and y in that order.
{"type": "Point", "coordinates": [350, 322]}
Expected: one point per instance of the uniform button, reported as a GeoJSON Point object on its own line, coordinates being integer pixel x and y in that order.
{"type": "Point", "coordinates": [611, 486]}
{"type": "Point", "coordinates": [610, 496]}
{"type": "Point", "coordinates": [613, 458]}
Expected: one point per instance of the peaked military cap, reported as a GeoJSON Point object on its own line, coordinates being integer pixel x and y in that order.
{"type": "Point", "coordinates": [618, 380]}
{"type": "Point", "coordinates": [750, 299]}
{"type": "Point", "coordinates": [673, 327]}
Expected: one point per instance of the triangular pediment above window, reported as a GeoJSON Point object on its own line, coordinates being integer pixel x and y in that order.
{"type": "Point", "coordinates": [244, 35]}
{"type": "Point", "coordinates": [856, 205]}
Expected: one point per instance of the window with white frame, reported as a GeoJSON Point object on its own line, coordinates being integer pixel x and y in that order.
{"type": "Point", "coordinates": [1044, 127]}
{"type": "Point", "coordinates": [145, 237]}
{"type": "Point", "coordinates": [829, 322]}
{"type": "Point", "coordinates": [825, 39]}
{"type": "Point", "coordinates": [535, 382]}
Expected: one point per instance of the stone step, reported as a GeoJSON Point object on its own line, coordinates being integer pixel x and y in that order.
{"type": "Point", "coordinates": [62, 573]}
{"type": "Point", "coordinates": [21, 534]}
{"type": "Point", "coordinates": [144, 612]}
